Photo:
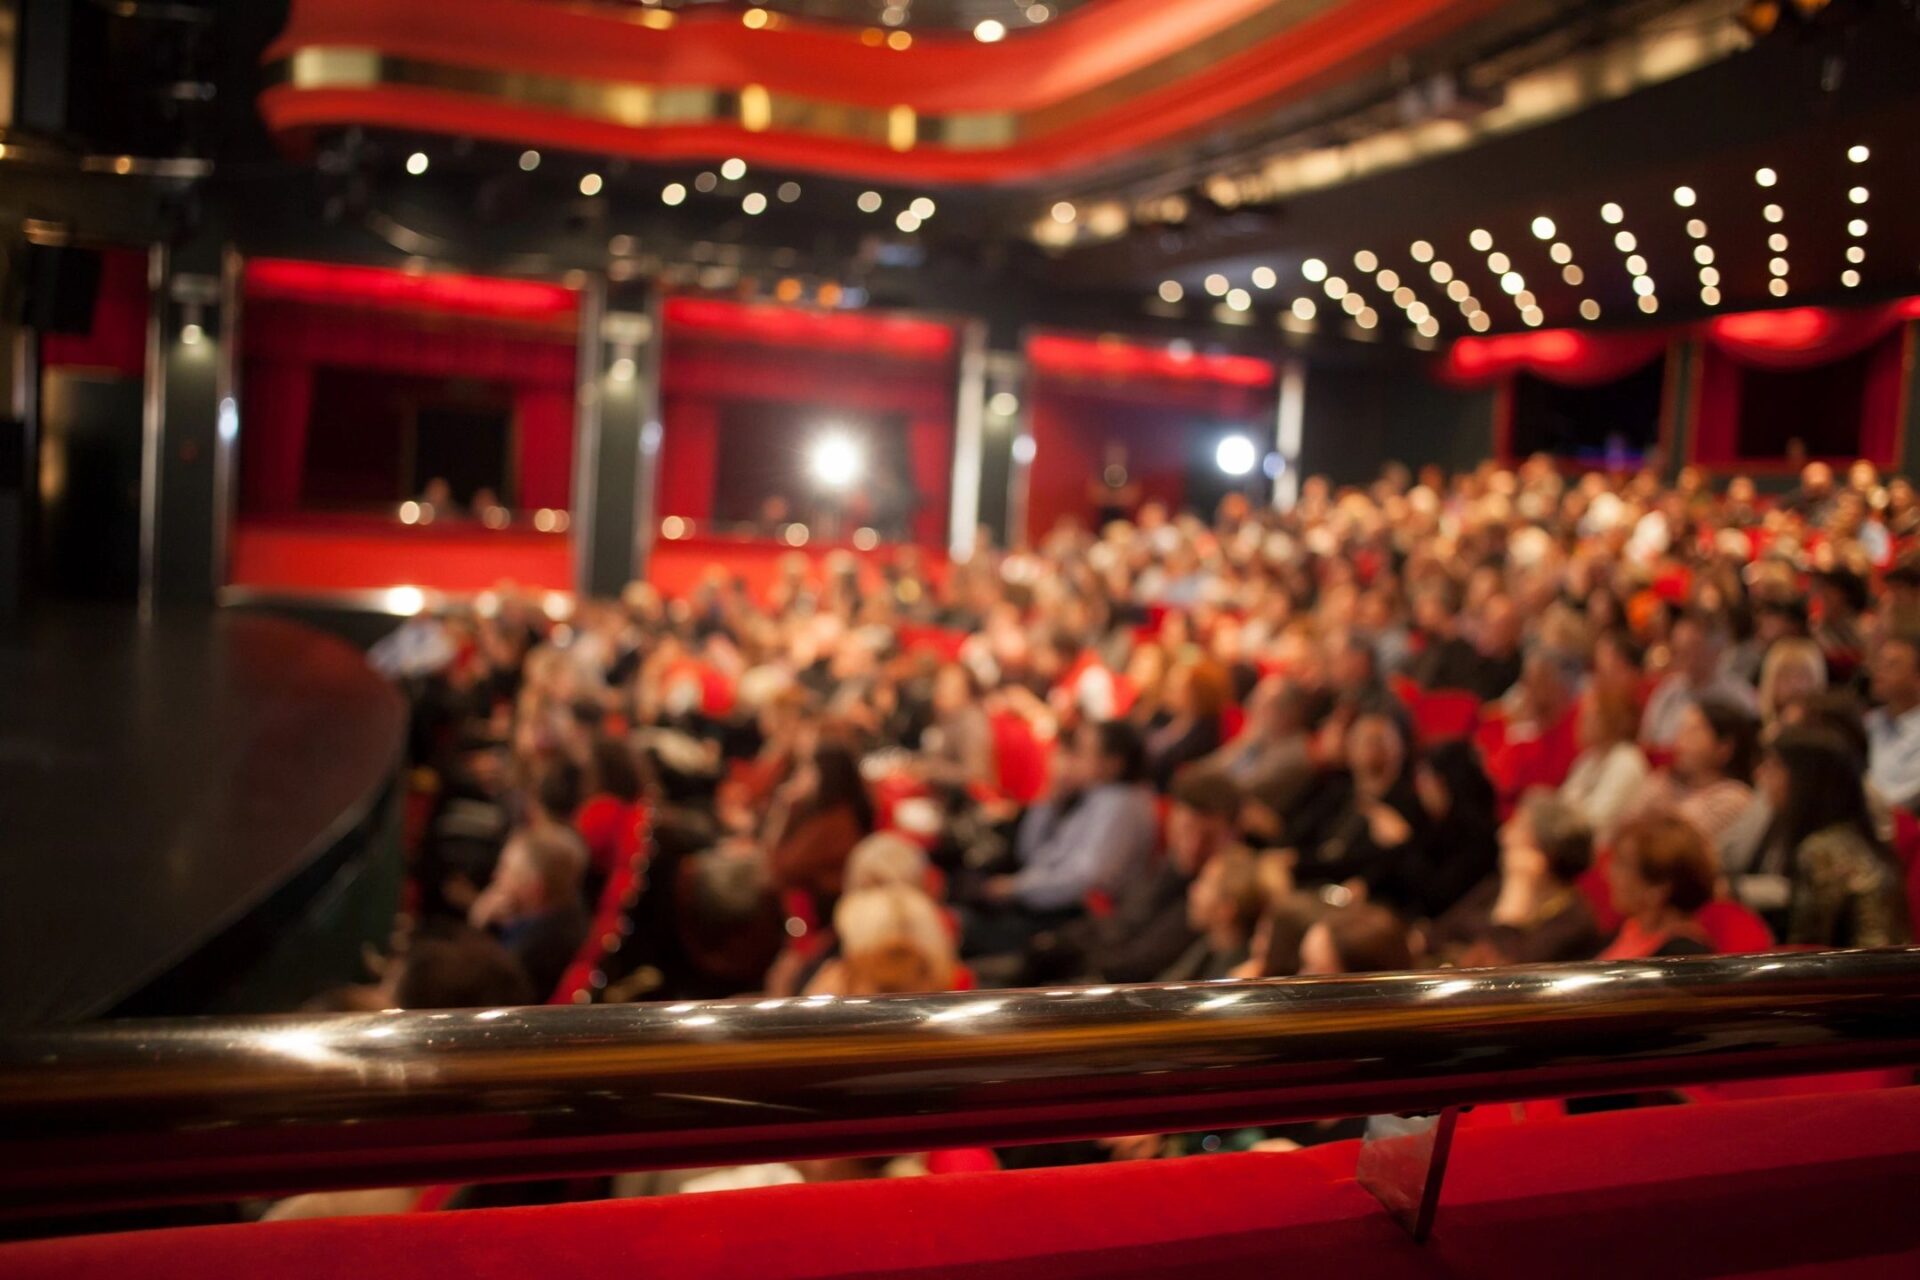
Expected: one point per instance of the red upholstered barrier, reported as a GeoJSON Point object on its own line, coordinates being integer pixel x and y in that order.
{"type": "Point", "coordinates": [1797, 1186]}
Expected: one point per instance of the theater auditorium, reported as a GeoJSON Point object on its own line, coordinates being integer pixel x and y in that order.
{"type": "Point", "coordinates": [836, 639]}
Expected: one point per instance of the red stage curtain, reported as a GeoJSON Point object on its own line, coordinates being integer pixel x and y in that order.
{"type": "Point", "coordinates": [1723, 378]}
{"type": "Point", "coordinates": [1566, 356]}
{"type": "Point", "coordinates": [1801, 337]}
{"type": "Point", "coordinates": [689, 454]}
{"type": "Point", "coordinates": [117, 341]}
{"type": "Point", "coordinates": [276, 399]}
{"type": "Point", "coordinates": [545, 447]}
{"type": "Point", "coordinates": [930, 454]}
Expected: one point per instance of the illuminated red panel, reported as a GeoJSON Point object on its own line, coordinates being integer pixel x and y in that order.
{"type": "Point", "coordinates": [339, 284]}
{"type": "Point", "coordinates": [901, 337]}
{"type": "Point", "coordinates": [1111, 358]}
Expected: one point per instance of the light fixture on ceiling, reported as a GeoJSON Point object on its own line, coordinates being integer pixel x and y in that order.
{"type": "Point", "coordinates": [733, 169]}
{"type": "Point", "coordinates": [1171, 291]}
{"type": "Point", "coordinates": [529, 161]}
{"type": "Point", "coordinates": [417, 163]}
{"type": "Point", "coordinates": [990, 31]}
{"type": "Point", "coordinates": [673, 193]}
{"type": "Point", "coordinates": [1684, 197]}
{"type": "Point", "coordinates": [869, 202]}
{"type": "Point", "coordinates": [590, 184]}
{"type": "Point", "coordinates": [1314, 270]}
{"type": "Point", "coordinates": [1265, 277]}
{"type": "Point", "coordinates": [1612, 213]}
{"type": "Point", "coordinates": [1543, 228]}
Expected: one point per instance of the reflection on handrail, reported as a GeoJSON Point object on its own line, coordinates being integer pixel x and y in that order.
{"type": "Point", "coordinates": [141, 1112]}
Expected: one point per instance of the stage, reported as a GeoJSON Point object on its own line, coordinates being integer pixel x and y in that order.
{"type": "Point", "coordinates": [193, 810]}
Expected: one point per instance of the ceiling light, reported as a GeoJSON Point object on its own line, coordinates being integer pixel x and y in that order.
{"type": "Point", "coordinates": [1543, 227]}
{"type": "Point", "coordinates": [1429, 327]}
{"type": "Point", "coordinates": [1684, 197]}
{"type": "Point", "coordinates": [1765, 177]}
{"type": "Point", "coordinates": [1696, 228]}
{"type": "Point", "coordinates": [907, 220]}
{"type": "Point", "coordinates": [1777, 287]}
{"type": "Point", "coordinates": [1038, 13]}
{"type": "Point", "coordinates": [922, 207]}
{"type": "Point", "coordinates": [1421, 251]}
{"type": "Point", "coordinates": [1589, 309]}
{"type": "Point", "coordinates": [1612, 213]}
{"type": "Point", "coordinates": [1560, 253]}
{"type": "Point", "coordinates": [1773, 213]}
{"type": "Point", "coordinates": [1850, 277]}
{"type": "Point", "coordinates": [1314, 269]}
{"type": "Point", "coordinates": [1417, 311]}
{"type": "Point", "coordinates": [1858, 195]}
{"type": "Point", "coordinates": [1858, 153]}
{"type": "Point", "coordinates": [1643, 285]}
{"type": "Point", "coordinates": [1265, 277]}
{"type": "Point", "coordinates": [869, 202]}
{"type": "Point", "coordinates": [1170, 291]}
{"type": "Point", "coordinates": [1777, 242]}
{"type": "Point", "coordinates": [704, 182]}
{"type": "Point", "coordinates": [1624, 241]}
{"type": "Point", "coordinates": [1217, 285]}
{"type": "Point", "coordinates": [1636, 265]}
{"type": "Point", "coordinates": [1513, 282]}
{"type": "Point", "coordinates": [1778, 266]}
{"type": "Point", "coordinates": [1525, 299]}
{"type": "Point", "coordinates": [1236, 455]}
{"type": "Point", "coordinates": [754, 203]}
{"type": "Point", "coordinates": [1388, 280]}
{"type": "Point", "coordinates": [673, 193]}
{"type": "Point", "coordinates": [1533, 316]}
{"type": "Point", "coordinates": [733, 170]}
{"type": "Point", "coordinates": [1404, 297]}
{"type": "Point", "coordinates": [1458, 290]}
{"type": "Point", "coordinates": [1303, 308]}
{"type": "Point", "coordinates": [1240, 300]}
{"type": "Point", "coordinates": [1365, 261]}
{"type": "Point", "coordinates": [1498, 263]}
{"type": "Point", "coordinates": [789, 192]}
{"type": "Point", "coordinates": [529, 161]}
{"type": "Point", "coordinates": [1479, 322]}
{"type": "Point", "coordinates": [1469, 305]}
{"type": "Point", "coordinates": [1572, 274]}
{"type": "Point", "coordinates": [590, 184]}
{"type": "Point", "coordinates": [1366, 318]}
{"type": "Point", "coordinates": [1709, 275]}
{"type": "Point", "coordinates": [1063, 211]}
{"type": "Point", "coordinates": [1703, 254]}
{"type": "Point", "coordinates": [1480, 239]}
{"type": "Point", "coordinates": [417, 163]}
{"type": "Point", "coordinates": [990, 31]}
{"type": "Point", "coordinates": [1440, 272]}
{"type": "Point", "coordinates": [899, 40]}
{"type": "Point", "coordinates": [1352, 303]}
{"type": "Point", "coordinates": [1335, 287]}
{"type": "Point", "coordinates": [754, 19]}
{"type": "Point", "coordinates": [1710, 296]}
{"type": "Point", "coordinates": [1649, 303]}
{"type": "Point", "coordinates": [1858, 227]}
{"type": "Point", "coordinates": [1856, 254]}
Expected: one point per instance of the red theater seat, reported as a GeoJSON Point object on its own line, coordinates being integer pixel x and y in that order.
{"type": "Point", "coordinates": [1800, 1186]}
{"type": "Point", "coordinates": [1019, 758]}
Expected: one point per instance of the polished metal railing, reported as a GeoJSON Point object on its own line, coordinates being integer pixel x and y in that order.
{"type": "Point", "coordinates": [141, 1112]}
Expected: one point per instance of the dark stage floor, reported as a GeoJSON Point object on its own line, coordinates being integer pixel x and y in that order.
{"type": "Point", "coordinates": [160, 784]}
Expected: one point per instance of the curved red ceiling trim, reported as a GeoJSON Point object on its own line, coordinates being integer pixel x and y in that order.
{"type": "Point", "coordinates": [1112, 359]}
{"type": "Point", "coordinates": [935, 76]}
{"type": "Point", "coordinates": [339, 284]}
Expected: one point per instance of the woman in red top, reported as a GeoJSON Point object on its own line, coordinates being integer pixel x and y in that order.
{"type": "Point", "coordinates": [1661, 874]}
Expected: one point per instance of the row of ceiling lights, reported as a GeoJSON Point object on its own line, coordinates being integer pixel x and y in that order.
{"type": "Point", "coordinates": [1515, 285]}
{"type": "Point", "coordinates": [734, 169]}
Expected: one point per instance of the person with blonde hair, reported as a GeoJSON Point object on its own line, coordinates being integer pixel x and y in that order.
{"type": "Point", "coordinates": [893, 940]}
{"type": "Point", "coordinates": [1611, 768]}
{"type": "Point", "coordinates": [1794, 670]}
{"type": "Point", "coordinates": [884, 858]}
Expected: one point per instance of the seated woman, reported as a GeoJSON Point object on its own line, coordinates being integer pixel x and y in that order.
{"type": "Point", "coordinates": [1661, 873]}
{"type": "Point", "coordinates": [818, 816]}
{"type": "Point", "coordinates": [893, 941]}
{"type": "Point", "coordinates": [1823, 867]}
{"type": "Point", "coordinates": [1353, 826]}
{"type": "Point", "coordinates": [1459, 847]}
{"type": "Point", "coordinates": [1531, 913]}
{"type": "Point", "coordinates": [1224, 904]}
{"type": "Point", "coordinates": [1793, 671]}
{"type": "Point", "coordinates": [956, 750]}
{"type": "Point", "coordinates": [1707, 784]}
{"type": "Point", "coordinates": [1611, 768]}
{"type": "Point", "coordinates": [1188, 726]}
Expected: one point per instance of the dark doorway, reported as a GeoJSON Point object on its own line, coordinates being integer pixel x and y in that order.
{"type": "Point", "coordinates": [464, 444]}
{"type": "Point", "coordinates": [376, 438]}
{"type": "Point", "coordinates": [1821, 407]}
{"type": "Point", "coordinates": [90, 448]}
{"type": "Point", "coordinates": [1614, 424]}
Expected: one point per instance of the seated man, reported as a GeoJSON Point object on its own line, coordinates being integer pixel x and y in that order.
{"type": "Point", "coordinates": [533, 902]}
{"type": "Point", "coordinates": [1893, 728]}
{"type": "Point", "coordinates": [1270, 760]}
{"type": "Point", "coordinates": [1095, 831]}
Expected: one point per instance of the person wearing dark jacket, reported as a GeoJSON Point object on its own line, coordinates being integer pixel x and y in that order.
{"type": "Point", "coordinates": [1531, 912]}
{"type": "Point", "coordinates": [1357, 824]}
{"type": "Point", "coordinates": [1459, 845]}
{"type": "Point", "coordinates": [533, 903]}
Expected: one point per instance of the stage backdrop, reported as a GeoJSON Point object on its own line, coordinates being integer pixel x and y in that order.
{"type": "Point", "coordinates": [1167, 406]}
{"type": "Point", "coordinates": [727, 359]}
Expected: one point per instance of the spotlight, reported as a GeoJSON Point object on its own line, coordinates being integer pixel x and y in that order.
{"type": "Point", "coordinates": [673, 193]}
{"type": "Point", "coordinates": [590, 184]}
{"type": "Point", "coordinates": [1003, 404]}
{"type": "Point", "coordinates": [1765, 177]}
{"type": "Point", "coordinates": [733, 170]}
{"type": "Point", "coordinates": [417, 163]}
{"type": "Point", "coordinates": [1236, 455]}
{"type": "Point", "coordinates": [990, 31]}
{"type": "Point", "coordinates": [1858, 153]}
{"type": "Point", "coordinates": [191, 334]}
{"type": "Point", "coordinates": [1612, 213]}
{"type": "Point", "coordinates": [1858, 195]}
{"type": "Point", "coordinates": [1684, 197]}
{"type": "Point", "coordinates": [1314, 269]}
{"type": "Point", "coordinates": [1421, 251]}
{"type": "Point", "coordinates": [1543, 228]}
{"type": "Point", "coordinates": [1023, 450]}
{"type": "Point", "coordinates": [1480, 239]}
{"type": "Point", "coordinates": [836, 460]}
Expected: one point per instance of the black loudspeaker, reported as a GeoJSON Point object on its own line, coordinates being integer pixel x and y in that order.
{"type": "Point", "coordinates": [62, 285]}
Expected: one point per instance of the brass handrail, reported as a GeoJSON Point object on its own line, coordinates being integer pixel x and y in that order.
{"type": "Point", "coordinates": [144, 1112]}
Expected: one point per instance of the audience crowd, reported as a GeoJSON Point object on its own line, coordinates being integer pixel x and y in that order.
{"type": "Point", "coordinates": [1505, 716]}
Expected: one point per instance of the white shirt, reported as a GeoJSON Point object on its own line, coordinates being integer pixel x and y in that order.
{"type": "Point", "coordinates": [1603, 783]}
{"type": "Point", "coordinates": [1894, 754]}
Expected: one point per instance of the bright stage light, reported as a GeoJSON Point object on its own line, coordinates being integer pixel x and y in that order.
{"type": "Point", "coordinates": [836, 460]}
{"type": "Point", "coordinates": [1236, 455]}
